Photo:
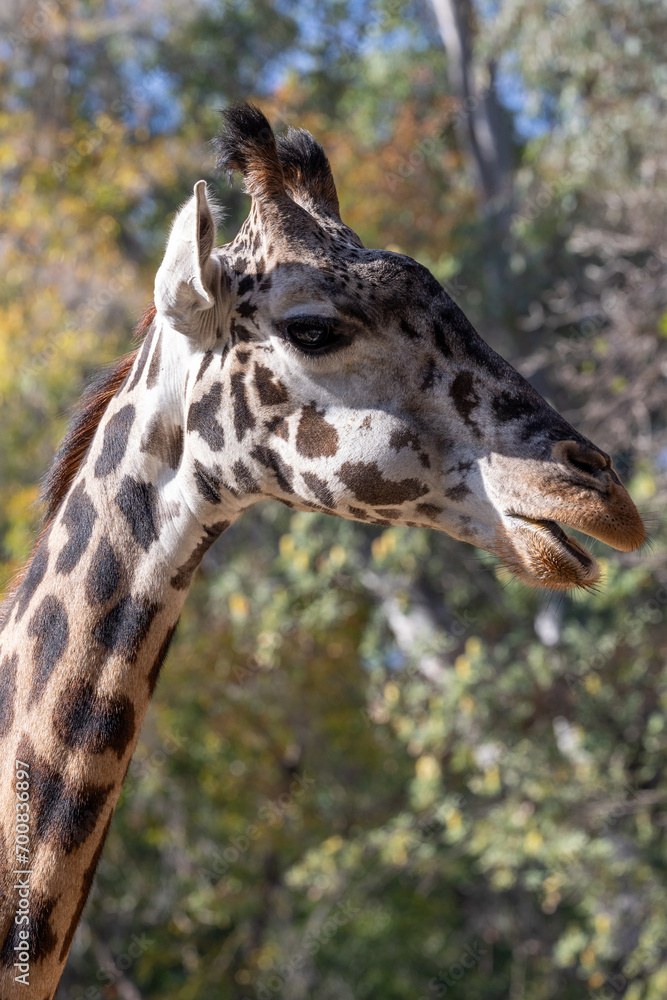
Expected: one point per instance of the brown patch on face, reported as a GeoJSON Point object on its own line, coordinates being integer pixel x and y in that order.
{"type": "Point", "coordinates": [270, 459]}
{"type": "Point", "coordinates": [246, 310]}
{"type": "Point", "coordinates": [465, 397]}
{"type": "Point", "coordinates": [319, 488]}
{"type": "Point", "coordinates": [279, 427]}
{"type": "Point", "coordinates": [429, 510]}
{"type": "Point", "coordinates": [368, 484]}
{"type": "Point", "coordinates": [359, 514]}
{"type": "Point", "coordinates": [244, 418]}
{"type": "Point", "coordinates": [508, 406]}
{"type": "Point", "coordinates": [429, 374]}
{"type": "Point", "coordinates": [163, 441]}
{"type": "Point", "coordinates": [404, 439]}
{"type": "Point", "coordinates": [270, 389]}
{"type": "Point", "coordinates": [315, 437]}
{"type": "Point", "coordinates": [239, 332]}
{"type": "Point", "coordinates": [463, 529]}
{"type": "Point", "coordinates": [457, 492]}
{"type": "Point", "coordinates": [408, 439]}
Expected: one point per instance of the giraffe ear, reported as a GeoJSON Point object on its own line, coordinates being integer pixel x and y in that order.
{"type": "Point", "coordinates": [185, 280]}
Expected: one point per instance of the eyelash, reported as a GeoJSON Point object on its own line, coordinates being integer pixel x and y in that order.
{"type": "Point", "coordinates": [325, 326]}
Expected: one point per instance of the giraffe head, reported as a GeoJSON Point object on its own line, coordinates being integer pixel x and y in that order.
{"type": "Point", "coordinates": [333, 377]}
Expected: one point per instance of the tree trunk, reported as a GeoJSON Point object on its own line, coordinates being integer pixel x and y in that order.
{"type": "Point", "coordinates": [481, 121]}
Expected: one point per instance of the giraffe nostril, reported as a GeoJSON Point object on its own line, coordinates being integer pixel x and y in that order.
{"type": "Point", "coordinates": [584, 466]}
{"type": "Point", "coordinates": [581, 457]}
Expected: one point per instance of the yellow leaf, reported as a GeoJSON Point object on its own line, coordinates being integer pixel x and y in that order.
{"type": "Point", "coordinates": [337, 555]}
{"type": "Point", "coordinates": [238, 605]}
{"type": "Point", "coordinates": [286, 546]}
{"type": "Point", "coordinates": [532, 842]}
{"type": "Point", "coordinates": [427, 767]}
{"type": "Point", "coordinates": [391, 693]}
{"type": "Point", "coordinates": [462, 666]}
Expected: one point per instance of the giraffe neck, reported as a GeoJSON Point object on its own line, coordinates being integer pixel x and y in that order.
{"type": "Point", "coordinates": [80, 652]}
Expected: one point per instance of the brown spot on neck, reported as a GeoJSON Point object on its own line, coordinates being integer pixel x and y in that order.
{"type": "Point", "coordinates": [86, 884]}
{"type": "Point", "coordinates": [164, 441]}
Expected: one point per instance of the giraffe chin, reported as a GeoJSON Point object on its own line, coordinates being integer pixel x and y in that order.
{"type": "Point", "coordinates": [539, 553]}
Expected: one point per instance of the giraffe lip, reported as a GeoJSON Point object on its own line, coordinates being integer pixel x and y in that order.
{"type": "Point", "coordinates": [561, 537]}
{"type": "Point", "coordinates": [549, 557]}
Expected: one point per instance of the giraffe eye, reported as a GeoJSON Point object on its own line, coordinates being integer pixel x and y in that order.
{"type": "Point", "coordinates": [312, 334]}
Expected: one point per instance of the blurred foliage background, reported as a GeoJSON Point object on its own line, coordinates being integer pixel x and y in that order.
{"type": "Point", "coordinates": [374, 766]}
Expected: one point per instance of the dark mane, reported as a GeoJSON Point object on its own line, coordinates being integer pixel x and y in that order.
{"type": "Point", "coordinates": [73, 448]}
{"type": "Point", "coordinates": [90, 411]}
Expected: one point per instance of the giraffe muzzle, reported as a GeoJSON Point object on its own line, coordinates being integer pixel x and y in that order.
{"type": "Point", "coordinates": [577, 488]}
{"type": "Point", "coordinates": [592, 500]}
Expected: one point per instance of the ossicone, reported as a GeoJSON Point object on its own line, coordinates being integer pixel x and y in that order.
{"type": "Point", "coordinates": [307, 171]}
{"type": "Point", "coordinates": [247, 143]}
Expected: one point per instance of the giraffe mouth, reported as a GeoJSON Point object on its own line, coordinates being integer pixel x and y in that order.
{"type": "Point", "coordinates": [542, 554]}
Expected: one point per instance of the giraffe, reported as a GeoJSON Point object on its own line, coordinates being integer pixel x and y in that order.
{"type": "Point", "coordinates": [291, 364]}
